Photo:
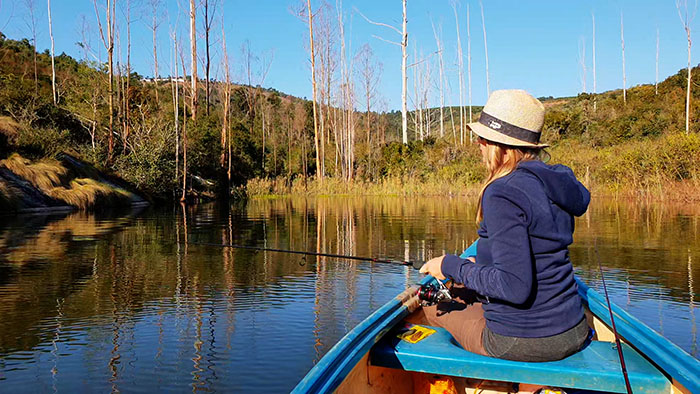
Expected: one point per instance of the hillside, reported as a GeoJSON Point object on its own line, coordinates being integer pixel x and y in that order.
{"type": "Point", "coordinates": [263, 140]}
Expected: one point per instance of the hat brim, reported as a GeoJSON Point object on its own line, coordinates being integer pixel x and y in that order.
{"type": "Point", "coordinates": [494, 136]}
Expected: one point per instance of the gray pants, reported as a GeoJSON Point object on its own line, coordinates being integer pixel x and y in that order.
{"type": "Point", "coordinates": [551, 348]}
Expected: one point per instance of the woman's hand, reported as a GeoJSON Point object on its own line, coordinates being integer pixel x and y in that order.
{"type": "Point", "coordinates": [433, 267]}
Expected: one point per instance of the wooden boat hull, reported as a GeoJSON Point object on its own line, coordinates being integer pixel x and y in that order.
{"type": "Point", "coordinates": [349, 368]}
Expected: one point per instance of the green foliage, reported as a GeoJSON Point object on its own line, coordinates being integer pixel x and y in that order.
{"type": "Point", "coordinates": [637, 166]}
{"type": "Point", "coordinates": [638, 143]}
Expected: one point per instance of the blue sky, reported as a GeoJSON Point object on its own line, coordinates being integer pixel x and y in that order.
{"type": "Point", "coordinates": [533, 45]}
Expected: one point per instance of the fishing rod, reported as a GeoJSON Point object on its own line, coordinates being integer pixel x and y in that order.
{"type": "Point", "coordinates": [429, 294]}
{"type": "Point", "coordinates": [414, 264]}
{"type": "Point", "coordinates": [612, 321]}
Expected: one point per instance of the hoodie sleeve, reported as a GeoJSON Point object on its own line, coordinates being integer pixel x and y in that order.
{"type": "Point", "coordinates": [506, 215]}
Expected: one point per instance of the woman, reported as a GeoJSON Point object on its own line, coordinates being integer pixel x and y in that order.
{"type": "Point", "coordinates": [529, 309]}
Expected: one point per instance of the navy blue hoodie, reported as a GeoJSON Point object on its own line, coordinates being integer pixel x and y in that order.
{"type": "Point", "coordinates": [522, 261]}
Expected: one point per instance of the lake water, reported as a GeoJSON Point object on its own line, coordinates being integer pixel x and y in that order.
{"type": "Point", "coordinates": [125, 302]}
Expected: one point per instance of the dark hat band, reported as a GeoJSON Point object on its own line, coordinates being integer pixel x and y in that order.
{"type": "Point", "coordinates": [508, 129]}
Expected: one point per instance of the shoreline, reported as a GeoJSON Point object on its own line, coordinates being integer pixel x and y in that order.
{"type": "Point", "coordinates": [685, 191]}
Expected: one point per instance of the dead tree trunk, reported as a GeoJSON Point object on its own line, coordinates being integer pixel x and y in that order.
{"type": "Point", "coordinates": [595, 100]}
{"type": "Point", "coordinates": [313, 87]}
{"type": "Point", "coordinates": [486, 50]}
{"type": "Point", "coordinates": [460, 64]}
{"type": "Point", "coordinates": [176, 105]}
{"type": "Point", "coordinates": [656, 81]}
{"type": "Point", "coordinates": [227, 99]}
{"type": "Point", "coordinates": [441, 85]}
{"type": "Point", "coordinates": [108, 42]}
{"type": "Point", "coordinates": [193, 62]}
{"type": "Point", "coordinates": [582, 62]}
{"type": "Point", "coordinates": [154, 28]}
{"type": "Point", "coordinates": [53, 63]}
{"type": "Point", "coordinates": [404, 77]}
{"type": "Point", "coordinates": [469, 69]}
{"type": "Point", "coordinates": [687, 20]}
{"type": "Point", "coordinates": [128, 75]}
{"type": "Point", "coordinates": [183, 197]}
{"type": "Point", "coordinates": [208, 22]}
{"type": "Point", "coordinates": [624, 76]}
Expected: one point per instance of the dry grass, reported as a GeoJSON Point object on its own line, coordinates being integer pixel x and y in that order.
{"type": "Point", "coordinates": [53, 179]}
{"type": "Point", "coordinates": [258, 187]}
{"type": "Point", "coordinates": [86, 193]}
{"type": "Point", "coordinates": [664, 168]}
{"type": "Point", "coordinates": [9, 127]}
{"type": "Point", "coordinates": [44, 175]}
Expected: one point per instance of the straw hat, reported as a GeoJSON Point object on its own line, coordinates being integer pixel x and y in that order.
{"type": "Point", "coordinates": [511, 117]}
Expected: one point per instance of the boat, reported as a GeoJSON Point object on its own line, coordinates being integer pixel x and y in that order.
{"type": "Point", "coordinates": [372, 358]}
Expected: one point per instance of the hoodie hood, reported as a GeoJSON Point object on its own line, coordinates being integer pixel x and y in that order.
{"type": "Point", "coordinates": [560, 185]}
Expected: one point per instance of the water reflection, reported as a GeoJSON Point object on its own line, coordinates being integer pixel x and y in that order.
{"type": "Point", "coordinates": [125, 302]}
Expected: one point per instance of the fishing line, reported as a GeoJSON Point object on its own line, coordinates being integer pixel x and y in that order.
{"type": "Point", "coordinates": [612, 320]}
{"type": "Point", "coordinates": [414, 264]}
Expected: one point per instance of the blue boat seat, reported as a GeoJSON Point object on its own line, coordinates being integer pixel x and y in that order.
{"type": "Point", "coordinates": [596, 367]}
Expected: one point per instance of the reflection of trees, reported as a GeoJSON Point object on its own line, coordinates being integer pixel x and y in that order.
{"type": "Point", "coordinates": [43, 258]}
{"type": "Point", "coordinates": [111, 269]}
{"type": "Point", "coordinates": [652, 244]}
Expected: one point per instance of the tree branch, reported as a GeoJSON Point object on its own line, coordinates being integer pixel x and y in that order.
{"type": "Point", "coordinates": [385, 40]}
{"type": "Point", "coordinates": [378, 23]}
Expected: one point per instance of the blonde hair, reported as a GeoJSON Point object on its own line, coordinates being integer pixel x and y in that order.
{"type": "Point", "coordinates": [501, 160]}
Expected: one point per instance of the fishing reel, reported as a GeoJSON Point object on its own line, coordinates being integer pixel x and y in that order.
{"type": "Point", "coordinates": [432, 294]}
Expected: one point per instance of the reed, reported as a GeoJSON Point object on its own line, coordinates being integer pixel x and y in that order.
{"type": "Point", "coordinates": [661, 168]}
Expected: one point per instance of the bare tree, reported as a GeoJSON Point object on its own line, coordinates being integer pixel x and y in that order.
{"type": "Point", "coordinates": [441, 82]}
{"type": "Point", "coordinates": [53, 63]}
{"type": "Point", "coordinates": [208, 22]}
{"type": "Point", "coordinates": [460, 64]}
{"type": "Point", "coordinates": [225, 143]}
{"type": "Point", "coordinates": [469, 68]}
{"type": "Point", "coordinates": [404, 56]}
{"type": "Point", "coordinates": [582, 62]}
{"type": "Point", "coordinates": [624, 76]}
{"type": "Point", "coordinates": [595, 99]}
{"type": "Point", "coordinates": [347, 101]}
{"type": "Point", "coordinates": [193, 61]}
{"type": "Point", "coordinates": [656, 83]}
{"type": "Point", "coordinates": [31, 24]}
{"type": "Point", "coordinates": [687, 17]}
{"type": "Point", "coordinates": [128, 75]}
{"type": "Point", "coordinates": [176, 101]}
{"type": "Point", "coordinates": [313, 87]}
{"type": "Point", "coordinates": [369, 71]}
{"type": "Point", "coordinates": [183, 197]}
{"type": "Point", "coordinates": [93, 99]}
{"type": "Point", "coordinates": [253, 90]}
{"type": "Point", "coordinates": [108, 42]}
{"type": "Point", "coordinates": [154, 29]}
{"type": "Point", "coordinates": [486, 49]}
{"type": "Point", "coordinates": [326, 40]}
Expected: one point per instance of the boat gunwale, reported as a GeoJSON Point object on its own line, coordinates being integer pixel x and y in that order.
{"type": "Point", "coordinates": [668, 357]}
{"type": "Point", "coordinates": [332, 369]}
